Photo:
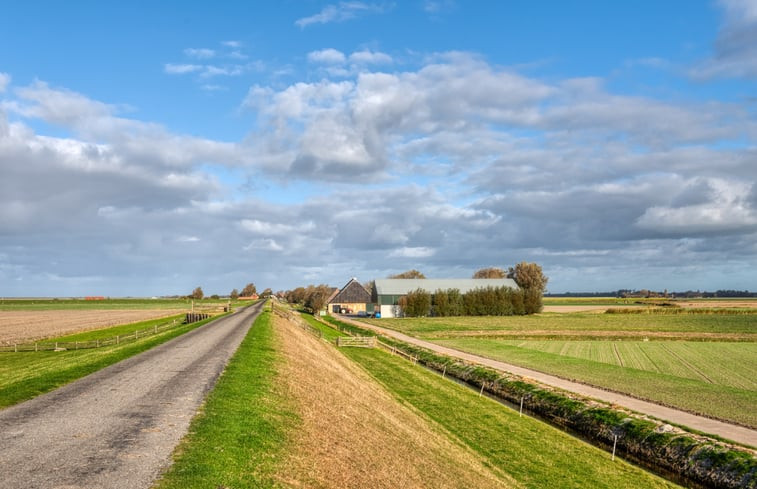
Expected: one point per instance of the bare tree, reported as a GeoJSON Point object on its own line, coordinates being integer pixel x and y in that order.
{"type": "Point", "coordinates": [197, 293]}
{"type": "Point", "coordinates": [249, 290]}
{"type": "Point", "coordinates": [409, 274]}
{"type": "Point", "coordinates": [491, 272]}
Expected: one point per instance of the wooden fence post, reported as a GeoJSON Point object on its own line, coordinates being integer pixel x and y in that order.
{"type": "Point", "coordinates": [482, 390]}
{"type": "Point", "coordinates": [614, 444]}
{"type": "Point", "coordinates": [521, 405]}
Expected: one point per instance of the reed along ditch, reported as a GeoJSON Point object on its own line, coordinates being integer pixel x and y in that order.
{"type": "Point", "coordinates": [685, 458]}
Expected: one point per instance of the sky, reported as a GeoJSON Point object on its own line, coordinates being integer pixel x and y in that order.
{"type": "Point", "coordinates": [147, 148]}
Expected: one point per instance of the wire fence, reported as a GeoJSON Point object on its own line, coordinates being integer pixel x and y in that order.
{"type": "Point", "coordinates": [83, 345]}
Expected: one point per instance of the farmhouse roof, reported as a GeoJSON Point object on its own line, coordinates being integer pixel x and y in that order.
{"type": "Point", "coordinates": [401, 286]}
{"type": "Point", "coordinates": [352, 293]}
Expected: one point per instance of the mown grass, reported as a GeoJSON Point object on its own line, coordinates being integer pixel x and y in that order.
{"type": "Point", "coordinates": [736, 365]}
{"type": "Point", "coordinates": [120, 330]}
{"type": "Point", "coordinates": [29, 374]}
{"type": "Point", "coordinates": [329, 334]}
{"type": "Point", "coordinates": [710, 399]}
{"type": "Point", "coordinates": [535, 454]}
{"type": "Point", "coordinates": [238, 438]}
{"type": "Point", "coordinates": [743, 324]}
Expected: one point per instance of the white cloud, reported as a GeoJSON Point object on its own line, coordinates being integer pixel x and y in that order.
{"type": "Point", "coordinates": [341, 12]}
{"type": "Point", "coordinates": [327, 56]}
{"type": "Point", "coordinates": [232, 44]}
{"type": "Point", "coordinates": [181, 69]}
{"type": "Point", "coordinates": [370, 57]}
{"type": "Point", "coordinates": [200, 53]}
{"type": "Point", "coordinates": [416, 252]}
{"type": "Point", "coordinates": [5, 80]}
{"type": "Point", "coordinates": [735, 50]}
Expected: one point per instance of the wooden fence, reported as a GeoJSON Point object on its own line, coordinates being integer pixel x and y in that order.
{"type": "Point", "coordinates": [358, 341]}
{"type": "Point", "coordinates": [82, 345]}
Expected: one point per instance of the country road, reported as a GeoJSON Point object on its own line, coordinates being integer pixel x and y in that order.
{"type": "Point", "coordinates": [117, 427]}
{"type": "Point", "coordinates": [726, 430]}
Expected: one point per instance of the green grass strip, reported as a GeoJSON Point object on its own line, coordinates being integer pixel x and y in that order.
{"type": "Point", "coordinates": [29, 374]}
{"type": "Point", "coordinates": [715, 400]}
{"type": "Point", "coordinates": [534, 453]}
{"type": "Point", "coordinates": [238, 438]}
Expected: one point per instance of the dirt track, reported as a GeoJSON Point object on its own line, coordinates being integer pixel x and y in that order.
{"type": "Point", "coordinates": [32, 325]}
{"type": "Point", "coordinates": [726, 430]}
{"type": "Point", "coordinates": [117, 427]}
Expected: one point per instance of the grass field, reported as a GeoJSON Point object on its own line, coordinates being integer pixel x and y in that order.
{"type": "Point", "coordinates": [744, 326]}
{"type": "Point", "coordinates": [649, 356]}
{"type": "Point", "coordinates": [29, 374]}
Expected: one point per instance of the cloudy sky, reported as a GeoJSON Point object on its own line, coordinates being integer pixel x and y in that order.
{"type": "Point", "coordinates": [147, 148]}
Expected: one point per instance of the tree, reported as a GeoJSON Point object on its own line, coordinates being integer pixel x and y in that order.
{"type": "Point", "coordinates": [197, 293]}
{"type": "Point", "coordinates": [249, 290]}
{"type": "Point", "coordinates": [529, 276]}
{"type": "Point", "coordinates": [416, 303]}
{"type": "Point", "coordinates": [316, 297]}
{"type": "Point", "coordinates": [491, 272]}
{"type": "Point", "coordinates": [409, 274]}
{"type": "Point", "coordinates": [267, 293]}
{"type": "Point", "coordinates": [533, 283]}
{"type": "Point", "coordinates": [234, 294]}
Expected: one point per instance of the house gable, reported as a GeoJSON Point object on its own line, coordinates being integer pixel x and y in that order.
{"type": "Point", "coordinates": [352, 293]}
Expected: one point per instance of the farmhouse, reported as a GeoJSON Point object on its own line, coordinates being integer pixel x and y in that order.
{"type": "Point", "coordinates": [387, 292]}
{"type": "Point", "coordinates": [351, 299]}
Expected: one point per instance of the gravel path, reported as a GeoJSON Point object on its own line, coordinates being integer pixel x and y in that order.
{"type": "Point", "coordinates": [730, 431]}
{"type": "Point", "coordinates": [117, 427]}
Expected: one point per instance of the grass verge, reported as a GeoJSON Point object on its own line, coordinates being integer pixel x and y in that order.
{"type": "Point", "coordinates": [27, 375]}
{"type": "Point", "coordinates": [533, 453]}
{"type": "Point", "coordinates": [237, 440]}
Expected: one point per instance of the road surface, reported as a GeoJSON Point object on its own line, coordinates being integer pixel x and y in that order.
{"type": "Point", "coordinates": [729, 431]}
{"type": "Point", "coordinates": [117, 427]}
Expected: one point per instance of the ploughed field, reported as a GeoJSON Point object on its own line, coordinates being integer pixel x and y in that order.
{"type": "Point", "coordinates": [23, 326]}
{"type": "Point", "coordinates": [24, 320]}
{"type": "Point", "coordinates": [701, 362]}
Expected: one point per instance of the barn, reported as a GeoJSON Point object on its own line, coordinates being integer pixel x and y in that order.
{"type": "Point", "coordinates": [352, 299]}
{"type": "Point", "coordinates": [387, 292]}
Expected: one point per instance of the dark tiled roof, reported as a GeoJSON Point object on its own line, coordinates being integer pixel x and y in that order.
{"type": "Point", "coordinates": [352, 293]}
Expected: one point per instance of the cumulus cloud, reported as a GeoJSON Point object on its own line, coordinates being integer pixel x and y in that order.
{"type": "Point", "coordinates": [5, 80]}
{"type": "Point", "coordinates": [735, 49]}
{"type": "Point", "coordinates": [181, 69]}
{"type": "Point", "coordinates": [328, 56]}
{"type": "Point", "coordinates": [341, 12]}
{"type": "Point", "coordinates": [200, 53]}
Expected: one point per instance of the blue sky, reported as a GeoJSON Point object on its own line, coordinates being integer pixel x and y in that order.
{"type": "Point", "coordinates": [151, 147]}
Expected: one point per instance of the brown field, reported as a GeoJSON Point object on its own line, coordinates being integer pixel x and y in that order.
{"type": "Point", "coordinates": [689, 304]}
{"type": "Point", "coordinates": [18, 326]}
{"type": "Point", "coordinates": [354, 434]}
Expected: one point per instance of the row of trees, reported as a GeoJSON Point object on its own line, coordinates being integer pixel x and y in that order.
{"type": "Point", "coordinates": [312, 297]}
{"type": "Point", "coordinates": [489, 301]}
{"type": "Point", "coordinates": [247, 291]}
{"type": "Point", "coordinates": [485, 301]}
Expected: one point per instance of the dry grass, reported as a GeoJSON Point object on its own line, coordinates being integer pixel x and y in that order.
{"type": "Point", "coordinates": [354, 434]}
{"type": "Point", "coordinates": [18, 326]}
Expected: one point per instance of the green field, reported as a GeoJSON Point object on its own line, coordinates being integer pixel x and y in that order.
{"type": "Point", "coordinates": [119, 303]}
{"type": "Point", "coordinates": [715, 375]}
{"type": "Point", "coordinates": [29, 374]}
{"type": "Point", "coordinates": [587, 324]}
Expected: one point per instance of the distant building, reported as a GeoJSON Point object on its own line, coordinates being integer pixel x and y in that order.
{"type": "Point", "coordinates": [252, 297]}
{"type": "Point", "coordinates": [351, 299]}
{"type": "Point", "coordinates": [387, 292]}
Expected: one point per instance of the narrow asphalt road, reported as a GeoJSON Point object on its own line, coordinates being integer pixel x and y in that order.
{"type": "Point", "coordinates": [117, 427]}
{"type": "Point", "coordinates": [730, 431]}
